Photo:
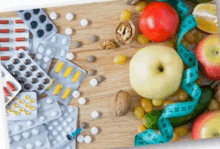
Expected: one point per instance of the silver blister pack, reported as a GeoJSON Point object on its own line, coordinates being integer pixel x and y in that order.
{"type": "Point", "coordinates": [38, 22]}
{"type": "Point", "coordinates": [58, 129]}
{"type": "Point", "coordinates": [47, 110]}
{"type": "Point", "coordinates": [35, 138]}
{"type": "Point", "coordinates": [66, 78]}
{"type": "Point", "coordinates": [26, 71]}
{"type": "Point", "coordinates": [14, 35]}
{"type": "Point", "coordinates": [11, 87]}
{"type": "Point", "coordinates": [22, 107]}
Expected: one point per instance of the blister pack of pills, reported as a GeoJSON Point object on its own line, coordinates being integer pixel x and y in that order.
{"type": "Point", "coordinates": [47, 110]}
{"type": "Point", "coordinates": [27, 73]}
{"type": "Point", "coordinates": [14, 35]}
{"type": "Point", "coordinates": [66, 78]}
{"type": "Point", "coordinates": [11, 87]}
{"type": "Point", "coordinates": [58, 129]}
{"type": "Point", "coordinates": [35, 138]}
{"type": "Point", "coordinates": [39, 23]}
{"type": "Point", "coordinates": [22, 107]}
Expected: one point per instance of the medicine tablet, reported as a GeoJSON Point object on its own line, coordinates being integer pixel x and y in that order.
{"type": "Point", "coordinates": [95, 114]}
{"type": "Point", "coordinates": [44, 66]}
{"type": "Point", "coordinates": [77, 44]}
{"type": "Point", "coordinates": [49, 51]}
{"type": "Point", "coordinates": [49, 100]}
{"type": "Point", "coordinates": [91, 59]}
{"type": "Point", "coordinates": [94, 130]}
{"type": "Point", "coordinates": [70, 56]}
{"type": "Point", "coordinates": [41, 49]}
{"type": "Point", "coordinates": [91, 72]}
{"type": "Point", "coordinates": [82, 101]}
{"type": "Point", "coordinates": [76, 94]}
{"type": "Point", "coordinates": [94, 38]}
{"type": "Point", "coordinates": [38, 143]}
{"type": "Point", "coordinates": [68, 31]}
{"type": "Point", "coordinates": [80, 138]}
{"type": "Point", "coordinates": [46, 59]}
{"type": "Point", "coordinates": [64, 41]}
{"type": "Point", "coordinates": [93, 82]}
{"type": "Point", "coordinates": [69, 16]}
{"type": "Point", "coordinates": [29, 146]}
{"type": "Point", "coordinates": [54, 113]}
{"type": "Point", "coordinates": [88, 139]}
{"type": "Point", "coordinates": [26, 135]}
{"type": "Point", "coordinates": [83, 125]}
{"type": "Point", "coordinates": [39, 56]}
{"type": "Point", "coordinates": [35, 131]}
{"type": "Point", "coordinates": [53, 16]}
{"type": "Point", "coordinates": [17, 137]}
{"type": "Point", "coordinates": [84, 22]}
{"type": "Point", "coordinates": [99, 79]}
{"type": "Point", "coordinates": [53, 39]}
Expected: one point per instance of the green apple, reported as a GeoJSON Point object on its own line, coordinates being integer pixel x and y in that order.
{"type": "Point", "coordinates": [156, 71]}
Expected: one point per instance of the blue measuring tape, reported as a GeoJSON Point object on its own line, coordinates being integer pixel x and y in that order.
{"type": "Point", "coordinates": [188, 85]}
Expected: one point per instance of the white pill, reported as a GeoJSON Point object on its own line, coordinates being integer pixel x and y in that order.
{"type": "Point", "coordinates": [82, 101]}
{"type": "Point", "coordinates": [17, 128]}
{"type": "Point", "coordinates": [69, 56]}
{"type": "Point", "coordinates": [53, 39]}
{"type": "Point", "coordinates": [80, 138]}
{"type": "Point", "coordinates": [93, 82]}
{"type": "Point", "coordinates": [70, 109]}
{"type": "Point", "coordinates": [20, 147]}
{"type": "Point", "coordinates": [49, 100]}
{"type": "Point", "coordinates": [65, 114]}
{"type": "Point", "coordinates": [62, 53]}
{"type": "Point", "coordinates": [26, 135]}
{"type": "Point", "coordinates": [39, 56]}
{"type": "Point", "coordinates": [46, 59]}
{"type": "Point", "coordinates": [42, 118]}
{"type": "Point", "coordinates": [53, 16]}
{"type": "Point", "coordinates": [50, 127]}
{"type": "Point", "coordinates": [70, 119]}
{"type": "Point", "coordinates": [55, 123]}
{"type": "Point", "coordinates": [88, 139]}
{"type": "Point", "coordinates": [68, 129]}
{"type": "Point", "coordinates": [59, 138]}
{"type": "Point", "coordinates": [41, 49]}
{"type": "Point", "coordinates": [68, 31]}
{"type": "Point", "coordinates": [69, 16]}
{"type": "Point", "coordinates": [60, 128]}
{"type": "Point", "coordinates": [35, 131]}
{"type": "Point", "coordinates": [54, 133]}
{"type": "Point", "coordinates": [17, 137]}
{"type": "Point", "coordinates": [64, 41]}
{"type": "Point", "coordinates": [30, 123]}
{"type": "Point", "coordinates": [29, 146]}
{"type": "Point", "coordinates": [61, 119]}
{"type": "Point", "coordinates": [94, 130]}
{"type": "Point", "coordinates": [38, 143]}
{"type": "Point", "coordinates": [64, 134]}
{"type": "Point", "coordinates": [64, 124]}
{"type": "Point", "coordinates": [48, 51]}
{"type": "Point", "coordinates": [54, 113]}
{"type": "Point", "coordinates": [84, 22]}
{"type": "Point", "coordinates": [76, 94]}
{"type": "Point", "coordinates": [95, 114]}
{"type": "Point", "coordinates": [44, 66]}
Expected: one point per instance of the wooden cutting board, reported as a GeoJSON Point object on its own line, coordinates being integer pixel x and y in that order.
{"type": "Point", "coordinates": [103, 17]}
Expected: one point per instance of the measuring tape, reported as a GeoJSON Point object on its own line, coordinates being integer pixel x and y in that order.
{"type": "Point", "coordinates": [189, 76]}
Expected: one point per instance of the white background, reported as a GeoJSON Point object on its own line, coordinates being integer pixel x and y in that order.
{"type": "Point", "coordinates": [10, 5]}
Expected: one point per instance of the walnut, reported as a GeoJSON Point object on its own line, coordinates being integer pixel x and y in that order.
{"type": "Point", "coordinates": [131, 2]}
{"type": "Point", "coordinates": [217, 92]}
{"type": "Point", "coordinates": [124, 32]}
{"type": "Point", "coordinates": [107, 44]}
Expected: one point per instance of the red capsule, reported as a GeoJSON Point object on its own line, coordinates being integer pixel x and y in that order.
{"type": "Point", "coordinates": [10, 86]}
{"type": "Point", "coordinates": [4, 39]}
{"type": "Point", "coordinates": [4, 22]}
{"type": "Point", "coordinates": [4, 30]}
{"type": "Point", "coordinates": [4, 58]}
{"type": "Point", "coordinates": [4, 48]}
{"type": "Point", "coordinates": [6, 92]}
{"type": "Point", "coordinates": [19, 39]}
{"type": "Point", "coordinates": [17, 30]}
{"type": "Point", "coordinates": [19, 48]}
{"type": "Point", "coordinates": [18, 21]}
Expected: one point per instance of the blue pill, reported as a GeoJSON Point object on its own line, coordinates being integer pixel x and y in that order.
{"type": "Point", "coordinates": [49, 27]}
{"type": "Point", "coordinates": [36, 11]}
{"type": "Point", "coordinates": [34, 24]}
{"type": "Point", "coordinates": [27, 16]}
{"type": "Point", "coordinates": [42, 18]}
{"type": "Point", "coordinates": [40, 33]}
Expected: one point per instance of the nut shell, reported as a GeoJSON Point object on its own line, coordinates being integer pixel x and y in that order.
{"type": "Point", "coordinates": [131, 2]}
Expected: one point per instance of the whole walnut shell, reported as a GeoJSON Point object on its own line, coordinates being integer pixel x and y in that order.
{"type": "Point", "coordinates": [131, 2]}
{"type": "Point", "coordinates": [217, 92]}
{"type": "Point", "coordinates": [120, 103]}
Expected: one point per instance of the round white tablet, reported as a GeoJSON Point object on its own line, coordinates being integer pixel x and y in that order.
{"type": "Point", "coordinates": [41, 49]}
{"type": "Point", "coordinates": [30, 123]}
{"type": "Point", "coordinates": [70, 56]}
{"type": "Point", "coordinates": [84, 22]}
{"type": "Point", "coordinates": [69, 16]}
{"type": "Point", "coordinates": [94, 130]}
{"type": "Point", "coordinates": [82, 101]}
{"type": "Point", "coordinates": [95, 114]}
{"type": "Point", "coordinates": [54, 113]}
{"type": "Point", "coordinates": [68, 31]}
{"type": "Point", "coordinates": [49, 51]}
{"type": "Point", "coordinates": [88, 139]}
{"type": "Point", "coordinates": [93, 82]}
{"type": "Point", "coordinates": [17, 137]}
{"type": "Point", "coordinates": [76, 94]}
{"type": "Point", "coordinates": [46, 59]}
{"type": "Point", "coordinates": [39, 56]}
{"type": "Point", "coordinates": [26, 135]}
{"type": "Point", "coordinates": [80, 138]}
{"type": "Point", "coordinates": [29, 146]}
{"type": "Point", "coordinates": [35, 131]}
{"type": "Point", "coordinates": [44, 66]}
{"type": "Point", "coordinates": [53, 16]}
{"type": "Point", "coordinates": [49, 100]}
{"type": "Point", "coordinates": [38, 143]}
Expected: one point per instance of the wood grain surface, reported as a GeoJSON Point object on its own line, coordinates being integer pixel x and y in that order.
{"type": "Point", "coordinates": [103, 17]}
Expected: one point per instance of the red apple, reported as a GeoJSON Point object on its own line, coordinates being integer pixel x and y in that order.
{"type": "Point", "coordinates": [159, 21]}
{"type": "Point", "coordinates": [208, 55]}
{"type": "Point", "coordinates": [206, 126]}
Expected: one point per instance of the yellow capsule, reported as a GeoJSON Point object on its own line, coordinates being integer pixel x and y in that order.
{"type": "Point", "coordinates": [10, 110]}
{"type": "Point", "coordinates": [76, 76]}
{"type": "Point", "coordinates": [21, 109]}
{"type": "Point", "coordinates": [31, 100]}
{"type": "Point", "coordinates": [20, 101]}
{"type": "Point", "coordinates": [142, 39]}
{"type": "Point", "coordinates": [120, 59]}
{"type": "Point", "coordinates": [26, 97]}
{"type": "Point", "coordinates": [141, 128]}
{"type": "Point", "coordinates": [16, 113]}
{"type": "Point", "coordinates": [51, 83]}
{"type": "Point", "coordinates": [66, 93]}
{"type": "Point", "coordinates": [26, 105]}
{"type": "Point", "coordinates": [15, 105]}
{"type": "Point", "coordinates": [125, 15]}
{"type": "Point", "coordinates": [26, 113]}
{"type": "Point", "coordinates": [140, 6]}
{"type": "Point", "coordinates": [32, 108]}
{"type": "Point", "coordinates": [67, 72]}
{"type": "Point", "coordinates": [58, 67]}
{"type": "Point", "coordinates": [57, 89]}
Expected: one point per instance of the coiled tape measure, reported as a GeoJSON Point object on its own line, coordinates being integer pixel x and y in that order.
{"type": "Point", "coordinates": [189, 76]}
